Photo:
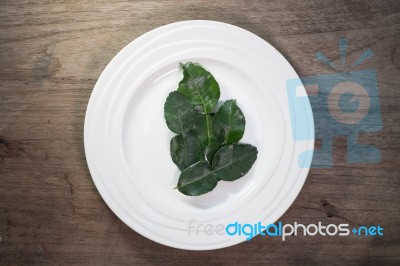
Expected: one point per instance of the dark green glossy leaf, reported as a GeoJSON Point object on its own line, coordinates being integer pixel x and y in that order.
{"type": "Point", "coordinates": [179, 113]}
{"type": "Point", "coordinates": [202, 129]}
{"type": "Point", "coordinates": [199, 86]}
{"type": "Point", "coordinates": [185, 150]}
{"type": "Point", "coordinates": [197, 179]}
{"type": "Point", "coordinates": [205, 137]}
{"type": "Point", "coordinates": [211, 149]}
{"type": "Point", "coordinates": [234, 161]}
{"type": "Point", "coordinates": [229, 123]}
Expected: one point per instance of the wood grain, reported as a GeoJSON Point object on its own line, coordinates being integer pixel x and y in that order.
{"type": "Point", "coordinates": [51, 54]}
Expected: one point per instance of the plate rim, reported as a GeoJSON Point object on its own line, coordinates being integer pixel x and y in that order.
{"type": "Point", "coordinates": [86, 130]}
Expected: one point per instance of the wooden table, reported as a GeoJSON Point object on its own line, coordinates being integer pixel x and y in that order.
{"type": "Point", "coordinates": [51, 55]}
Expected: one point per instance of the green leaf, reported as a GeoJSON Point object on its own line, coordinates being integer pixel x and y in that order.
{"type": "Point", "coordinates": [211, 149]}
{"type": "Point", "coordinates": [200, 87]}
{"type": "Point", "coordinates": [234, 161]}
{"type": "Point", "coordinates": [185, 150]}
{"type": "Point", "coordinates": [197, 179]}
{"type": "Point", "coordinates": [229, 123]}
{"type": "Point", "coordinates": [206, 149]}
{"type": "Point", "coordinates": [179, 113]}
{"type": "Point", "coordinates": [202, 129]}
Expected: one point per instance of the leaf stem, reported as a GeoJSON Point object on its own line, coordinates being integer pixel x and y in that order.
{"type": "Point", "coordinates": [208, 123]}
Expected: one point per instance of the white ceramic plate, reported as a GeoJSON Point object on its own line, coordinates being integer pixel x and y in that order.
{"type": "Point", "coordinates": [127, 140]}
